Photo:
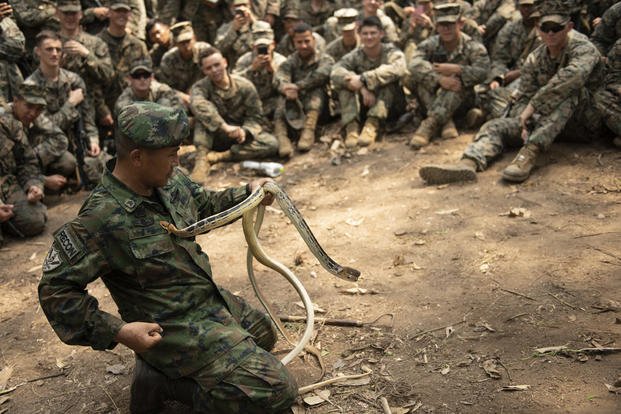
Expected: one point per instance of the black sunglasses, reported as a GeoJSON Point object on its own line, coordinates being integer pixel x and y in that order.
{"type": "Point", "coordinates": [551, 27]}
{"type": "Point", "coordinates": [140, 75]}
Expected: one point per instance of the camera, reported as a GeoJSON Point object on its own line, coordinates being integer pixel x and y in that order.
{"type": "Point", "coordinates": [262, 49]}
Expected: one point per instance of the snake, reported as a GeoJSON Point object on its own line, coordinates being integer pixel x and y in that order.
{"type": "Point", "coordinates": [249, 208]}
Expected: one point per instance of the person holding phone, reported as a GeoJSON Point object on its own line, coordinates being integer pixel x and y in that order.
{"type": "Point", "coordinates": [235, 37]}
{"type": "Point", "coordinates": [260, 65]}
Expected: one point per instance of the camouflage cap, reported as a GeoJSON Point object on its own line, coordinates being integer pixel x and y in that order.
{"type": "Point", "coordinates": [143, 64]}
{"type": "Point", "coordinates": [294, 114]}
{"type": "Point", "coordinates": [151, 125]}
{"type": "Point", "coordinates": [262, 31]}
{"type": "Point", "coordinates": [346, 18]}
{"type": "Point", "coordinates": [120, 4]}
{"type": "Point", "coordinates": [552, 11]}
{"type": "Point", "coordinates": [241, 2]}
{"type": "Point", "coordinates": [447, 13]}
{"type": "Point", "coordinates": [32, 93]}
{"type": "Point", "coordinates": [69, 5]}
{"type": "Point", "coordinates": [182, 32]}
{"type": "Point", "coordinates": [526, 2]}
{"type": "Point", "coordinates": [292, 14]}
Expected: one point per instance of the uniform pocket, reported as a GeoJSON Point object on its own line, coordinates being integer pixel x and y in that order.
{"type": "Point", "coordinates": [150, 242]}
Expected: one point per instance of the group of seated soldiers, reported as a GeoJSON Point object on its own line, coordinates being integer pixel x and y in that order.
{"type": "Point", "coordinates": [258, 77]}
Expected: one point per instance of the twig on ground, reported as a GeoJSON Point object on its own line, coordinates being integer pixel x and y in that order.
{"type": "Point", "coordinates": [596, 234]}
{"type": "Point", "coordinates": [563, 302]}
{"type": "Point", "coordinates": [565, 349]}
{"type": "Point", "coordinates": [506, 370]}
{"type": "Point", "coordinates": [438, 329]}
{"type": "Point", "coordinates": [604, 252]}
{"type": "Point", "coordinates": [516, 316]}
{"type": "Point", "coordinates": [111, 399]}
{"type": "Point", "coordinates": [311, 387]}
{"type": "Point", "coordinates": [517, 294]}
{"type": "Point", "coordinates": [336, 322]}
{"type": "Point", "coordinates": [385, 405]}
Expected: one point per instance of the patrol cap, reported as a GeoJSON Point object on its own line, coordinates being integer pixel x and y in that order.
{"type": "Point", "coordinates": [151, 125]}
{"type": "Point", "coordinates": [291, 14]}
{"type": "Point", "coordinates": [263, 41]}
{"type": "Point", "coordinates": [69, 5]}
{"type": "Point", "coordinates": [346, 18]}
{"type": "Point", "coordinates": [294, 114]}
{"type": "Point", "coordinates": [262, 29]}
{"type": "Point", "coordinates": [447, 13]}
{"type": "Point", "coordinates": [32, 93]}
{"type": "Point", "coordinates": [552, 11]}
{"type": "Point", "coordinates": [120, 4]}
{"type": "Point", "coordinates": [182, 32]}
{"type": "Point", "coordinates": [143, 64]}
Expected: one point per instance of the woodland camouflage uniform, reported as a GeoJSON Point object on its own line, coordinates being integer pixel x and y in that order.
{"type": "Point", "coordinates": [211, 349]}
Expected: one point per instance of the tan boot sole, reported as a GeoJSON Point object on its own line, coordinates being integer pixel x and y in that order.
{"type": "Point", "coordinates": [515, 178]}
{"type": "Point", "coordinates": [418, 141]}
{"type": "Point", "coordinates": [444, 174]}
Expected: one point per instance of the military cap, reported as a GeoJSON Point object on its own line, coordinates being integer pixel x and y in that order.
{"type": "Point", "coordinates": [291, 13]}
{"type": "Point", "coordinates": [447, 13]}
{"type": "Point", "coordinates": [143, 64]}
{"type": "Point", "coordinates": [32, 93]}
{"type": "Point", "coordinates": [69, 5]}
{"type": "Point", "coordinates": [294, 114]}
{"type": "Point", "coordinates": [151, 125]}
{"type": "Point", "coordinates": [182, 32]}
{"type": "Point", "coordinates": [526, 2]}
{"type": "Point", "coordinates": [346, 18]}
{"type": "Point", "coordinates": [552, 11]}
{"type": "Point", "coordinates": [240, 2]}
{"type": "Point", "coordinates": [261, 29]}
{"type": "Point", "coordinates": [120, 4]}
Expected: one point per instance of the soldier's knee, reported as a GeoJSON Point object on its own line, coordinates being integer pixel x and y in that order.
{"type": "Point", "coordinates": [29, 219]}
{"type": "Point", "coordinates": [65, 165]}
{"type": "Point", "coordinates": [284, 394]}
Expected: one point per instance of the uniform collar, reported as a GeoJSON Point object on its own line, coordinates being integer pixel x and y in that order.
{"type": "Point", "coordinates": [126, 198]}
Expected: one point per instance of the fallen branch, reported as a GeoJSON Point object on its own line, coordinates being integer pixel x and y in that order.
{"type": "Point", "coordinates": [565, 349]}
{"type": "Point", "coordinates": [312, 387]}
{"type": "Point", "coordinates": [517, 294]}
{"type": "Point", "coordinates": [336, 322]}
{"type": "Point", "coordinates": [563, 302]}
{"type": "Point", "coordinates": [8, 390]}
{"type": "Point", "coordinates": [438, 329]}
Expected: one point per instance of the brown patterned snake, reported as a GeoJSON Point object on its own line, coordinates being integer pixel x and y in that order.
{"type": "Point", "coordinates": [246, 209]}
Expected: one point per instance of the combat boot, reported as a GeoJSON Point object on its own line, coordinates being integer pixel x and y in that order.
{"type": "Point", "coordinates": [475, 118]}
{"type": "Point", "coordinates": [307, 137]}
{"type": "Point", "coordinates": [369, 132]}
{"type": "Point", "coordinates": [201, 166]}
{"type": "Point", "coordinates": [214, 156]}
{"type": "Point", "coordinates": [464, 170]}
{"type": "Point", "coordinates": [351, 134]}
{"type": "Point", "coordinates": [449, 131]}
{"type": "Point", "coordinates": [521, 166]}
{"type": "Point", "coordinates": [285, 148]}
{"type": "Point", "coordinates": [424, 133]}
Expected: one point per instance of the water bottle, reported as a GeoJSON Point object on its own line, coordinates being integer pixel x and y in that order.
{"type": "Point", "coordinates": [271, 169]}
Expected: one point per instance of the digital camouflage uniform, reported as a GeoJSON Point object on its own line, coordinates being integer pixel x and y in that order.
{"type": "Point", "coordinates": [438, 102]}
{"type": "Point", "coordinates": [34, 16]}
{"type": "Point", "coordinates": [262, 79]}
{"type": "Point", "coordinates": [95, 69]}
{"type": "Point", "coordinates": [12, 44]}
{"type": "Point", "coordinates": [286, 47]}
{"type": "Point", "coordinates": [211, 339]}
{"type": "Point", "coordinates": [559, 90]}
{"type": "Point", "coordinates": [240, 106]}
{"type": "Point", "coordinates": [316, 18]}
{"type": "Point", "coordinates": [181, 74]}
{"type": "Point", "coordinates": [137, 18]}
{"type": "Point", "coordinates": [159, 93]}
{"type": "Point", "coordinates": [410, 37]}
{"type": "Point", "coordinates": [383, 77]}
{"type": "Point", "coordinates": [609, 30]}
{"type": "Point", "coordinates": [19, 170]}
{"type": "Point", "coordinates": [123, 51]}
{"type": "Point", "coordinates": [311, 78]}
{"type": "Point", "coordinates": [64, 115]}
{"type": "Point", "coordinates": [513, 44]}
{"type": "Point", "coordinates": [608, 95]}
{"type": "Point", "coordinates": [337, 48]}
{"type": "Point", "coordinates": [205, 19]}
{"type": "Point", "coordinates": [493, 14]}
{"type": "Point", "coordinates": [233, 44]}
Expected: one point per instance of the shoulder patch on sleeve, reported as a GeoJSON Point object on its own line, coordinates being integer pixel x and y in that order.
{"type": "Point", "coordinates": [70, 244]}
{"type": "Point", "coordinates": [53, 260]}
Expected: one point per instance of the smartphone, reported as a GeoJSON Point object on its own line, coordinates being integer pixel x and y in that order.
{"type": "Point", "coordinates": [262, 49]}
{"type": "Point", "coordinates": [239, 12]}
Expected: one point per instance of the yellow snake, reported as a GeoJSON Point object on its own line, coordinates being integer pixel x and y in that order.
{"type": "Point", "coordinates": [246, 209]}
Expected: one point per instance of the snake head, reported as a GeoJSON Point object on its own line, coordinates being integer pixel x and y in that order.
{"type": "Point", "coordinates": [349, 273]}
{"type": "Point", "coordinates": [169, 227]}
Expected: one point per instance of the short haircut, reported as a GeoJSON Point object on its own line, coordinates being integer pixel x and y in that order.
{"type": "Point", "coordinates": [302, 28]}
{"type": "Point", "coordinates": [207, 52]}
{"type": "Point", "coordinates": [44, 35]}
{"type": "Point", "coordinates": [371, 21]}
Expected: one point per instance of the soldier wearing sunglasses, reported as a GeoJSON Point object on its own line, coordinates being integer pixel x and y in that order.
{"type": "Point", "coordinates": [143, 87]}
{"type": "Point", "coordinates": [553, 100]}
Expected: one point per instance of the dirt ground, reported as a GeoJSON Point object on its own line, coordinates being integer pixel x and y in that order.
{"type": "Point", "coordinates": [473, 290]}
